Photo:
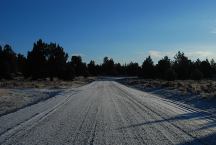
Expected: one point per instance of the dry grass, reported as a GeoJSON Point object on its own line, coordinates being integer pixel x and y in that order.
{"type": "Point", "coordinates": [16, 94]}
{"type": "Point", "coordinates": [56, 84]}
{"type": "Point", "coordinates": [4, 92]}
{"type": "Point", "coordinates": [10, 100]}
{"type": "Point", "coordinates": [206, 88]}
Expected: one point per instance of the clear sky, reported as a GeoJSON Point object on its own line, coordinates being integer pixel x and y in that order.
{"type": "Point", "coordinates": [126, 30]}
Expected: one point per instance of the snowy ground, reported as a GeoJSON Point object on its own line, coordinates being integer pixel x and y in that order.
{"type": "Point", "coordinates": [204, 89]}
{"type": "Point", "coordinates": [16, 94]}
{"type": "Point", "coordinates": [14, 99]}
{"type": "Point", "coordinates": [197, 94]}
{"type": "Point", "coordinates": [106, 112]}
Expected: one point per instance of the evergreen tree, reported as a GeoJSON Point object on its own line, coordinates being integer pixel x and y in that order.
{"type": "Point", "coordinates": [108, 66]}
{"type": "Point", "coordinates": [196, 75]}
{"type": "Point", "coordinates": [206, 69]}
{"type": "Point", "coordinates": [21, 63]}
{"type": "Point", "coordinates": [56, 60]}
{"type": "Point", "coordinates": [213, 66]}
{"type": "Point", "coordinates": [8, 62]}
{"type": "Point", "coordinates": [79, 67]}
{"type": "Point", "coordinates": [133, 69]}
{"type": "Point", "coordinates": [67, 72]}
{"type": "Point", "coordinates": [148, 70]}
{"type": "Point", "coordinates": [170, 74]}
{"type": "Point", "coordinates": [182, 66]}
{"type": "Point", "coordinates": [36, 60]}
{"type": "Point", "coordinates": [162, 67]}
{"type": "Point", "coordinates": [92, 68]}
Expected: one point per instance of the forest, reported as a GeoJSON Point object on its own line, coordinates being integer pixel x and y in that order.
{"type": "Point", "coordinates": [49, 60]}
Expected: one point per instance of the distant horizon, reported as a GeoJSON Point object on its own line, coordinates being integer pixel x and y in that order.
{"type": "Point", "coordinates": [123, 30]}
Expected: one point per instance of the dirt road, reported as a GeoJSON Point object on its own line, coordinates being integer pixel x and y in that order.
{"type": "Point", "coordinates": [106, 112]}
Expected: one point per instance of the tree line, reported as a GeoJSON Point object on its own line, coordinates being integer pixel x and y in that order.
{"type": "Point", "coordinates": [49, 60]}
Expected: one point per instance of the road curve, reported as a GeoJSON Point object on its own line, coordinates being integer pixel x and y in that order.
{"type": "Point", "coordinates": [108, 113]}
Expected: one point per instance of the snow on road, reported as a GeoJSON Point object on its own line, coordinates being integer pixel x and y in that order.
{"type": "Point", "coordinates": [106, 112]}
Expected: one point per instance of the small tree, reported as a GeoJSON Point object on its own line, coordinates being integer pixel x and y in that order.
{"type": "Point", "coordinates": [196, 75]}
{"type": "Point", "coordinates": [148, 68]}
{"type": "Point", "coordinates": [21, 63]}
{"type": "Point", "coordinates": [36, 60]}
{"type": "Point", "coordinates": [67, 73]}
{"type": "Point", "coordinates": [56, 58]}
{"type": "Point", "coordinates": [77, 64]}
{"type": "Point", "coordinates": [213, 66]}
{"type": "Point", "coordinates": [162, 66]}
{"type": "Point", "coordinates": [7, 62]}
{"type": "Point", "coordinates": [132, 69]}
{"type": "Point", "coordinates": [170, 75]}
{"type": "Point", "coordinates": [92, 68]}
{"type": "Point", "coordinates": [206, 69]}
{"type": "Point", "coordinates": [182, 65]}
{"type": "Point", "coordinates": [108, 66]}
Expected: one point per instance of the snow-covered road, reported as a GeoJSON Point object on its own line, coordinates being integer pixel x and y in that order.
{"type": "Point", "coordinates": [106, 112]}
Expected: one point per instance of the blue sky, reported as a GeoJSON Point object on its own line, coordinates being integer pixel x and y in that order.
{"type": "Point", "coordinates": [126, 30]}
